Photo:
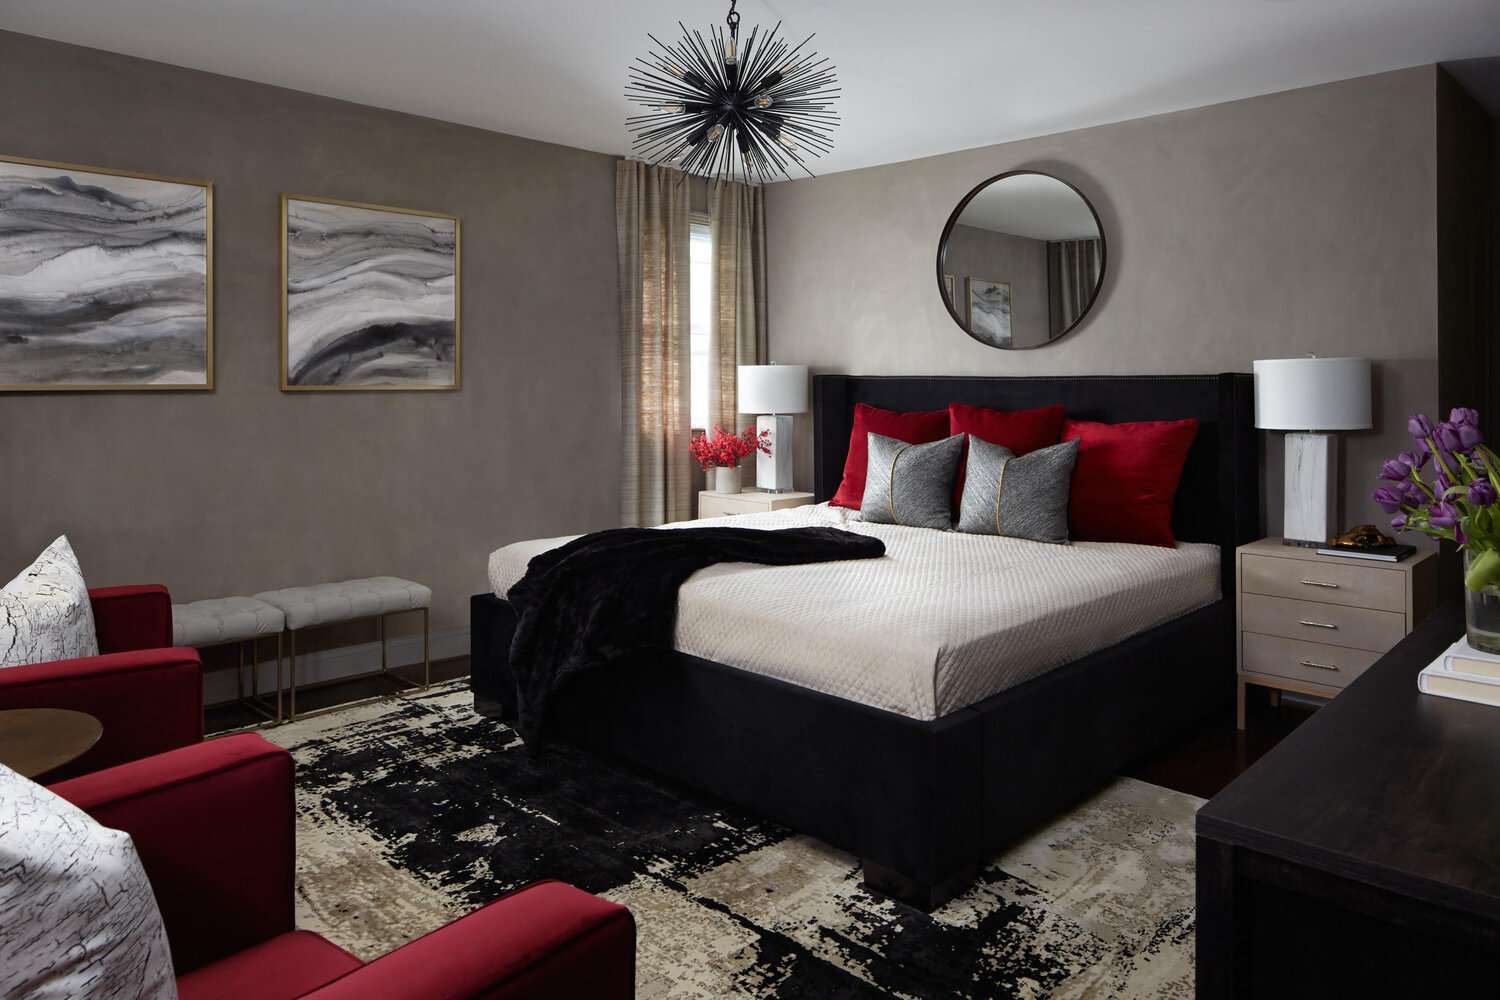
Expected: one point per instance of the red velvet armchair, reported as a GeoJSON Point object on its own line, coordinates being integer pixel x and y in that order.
{"type": "Point", "coordinates": [214, 827]}
{"type": "Point", "coordinates": [148, 696]}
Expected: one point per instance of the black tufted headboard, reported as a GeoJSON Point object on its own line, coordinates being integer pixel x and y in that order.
{"type": "Point", "coordinates": [1219, 498]}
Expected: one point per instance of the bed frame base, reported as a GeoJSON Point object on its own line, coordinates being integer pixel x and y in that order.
{"type": "Point", "coordinates": [921, 803]}
{"type": "Point", "coordinates": [925, 896]}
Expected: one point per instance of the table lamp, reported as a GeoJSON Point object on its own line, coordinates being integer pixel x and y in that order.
{"type": "Point", "coordinates": [774, 392]}
{"type": "Point", "coordinates": [1310, 397]}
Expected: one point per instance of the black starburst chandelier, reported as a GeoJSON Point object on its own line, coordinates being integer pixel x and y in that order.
{"type": "Point", "coordinates": [726, 109]}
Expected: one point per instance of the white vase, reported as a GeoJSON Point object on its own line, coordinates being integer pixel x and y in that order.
{"type": "Point", "coordinates": [727, 479]}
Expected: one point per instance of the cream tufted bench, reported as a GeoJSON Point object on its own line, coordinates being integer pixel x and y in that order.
{"type": "Point", "coordinates": [347, 601]}
{"type": "Point", "coordinates": [223, 620]}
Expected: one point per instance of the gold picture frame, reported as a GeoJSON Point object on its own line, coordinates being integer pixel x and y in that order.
{"type": "Point", "coordinates": [287, 384]}
{"type": "Point", "coordinates": [207, 384]}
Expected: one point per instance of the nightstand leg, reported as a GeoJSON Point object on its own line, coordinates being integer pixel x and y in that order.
{"type": "Point", "coordinates": [1239, 703]}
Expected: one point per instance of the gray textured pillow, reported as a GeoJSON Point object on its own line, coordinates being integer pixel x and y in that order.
{"type": "Point", "coordinates": [45, 613]}
{"type": "Point", "coordinates": [80, 918]}
{"type": "Point", "coordinates": [1025, 497]}
{"type": "Point", "coordinates": [911, 484]}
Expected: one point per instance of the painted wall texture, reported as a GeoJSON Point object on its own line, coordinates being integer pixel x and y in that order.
{"type": "Point", "coordinates": [1297, 222]}
{"type": "Point", "coordinates": [245, 488]}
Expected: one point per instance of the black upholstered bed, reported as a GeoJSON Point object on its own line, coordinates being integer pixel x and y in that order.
{"type": "Point", "coordinates": [923, 803]}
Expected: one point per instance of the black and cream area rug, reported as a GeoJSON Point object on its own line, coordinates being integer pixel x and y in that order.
{"type": "Point", "coordinates": [414, 811]}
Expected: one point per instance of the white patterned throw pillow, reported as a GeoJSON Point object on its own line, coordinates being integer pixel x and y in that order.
{"type": "Point", "coordinates": [45, 613]}
{"type": "Point", "coordinates": [77, 915]}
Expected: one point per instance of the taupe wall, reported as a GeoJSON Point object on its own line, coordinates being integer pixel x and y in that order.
{"type": "Point", "coordinates": [245, 488]}
{"type": "Point", "coordinates": [1466, 333]}
{"type": "Point", "coordinates": [1302, 221]}
{"type": "Point", "coordinates": [981, 253]}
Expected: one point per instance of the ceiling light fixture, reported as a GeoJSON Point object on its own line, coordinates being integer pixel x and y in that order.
{"type": "Point", "coordinates": [723, 109]}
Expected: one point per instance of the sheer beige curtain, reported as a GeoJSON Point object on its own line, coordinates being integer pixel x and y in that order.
{"type": "Point", "coordinates": [651, 218]}
{"type": "Point", "coordinates": [737, 331]}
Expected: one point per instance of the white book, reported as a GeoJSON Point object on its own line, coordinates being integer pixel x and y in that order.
{"type": "Point", "coordinates": [1436, 678]}
{"type": "Point", "coordinates": [1465, 659]}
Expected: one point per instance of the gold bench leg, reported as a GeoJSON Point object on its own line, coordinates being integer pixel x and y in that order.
{"type": "Point", "coordinates": [239, 673]}
{"type": "Point", "coordinates": [380, 628]}
{"type": "Point", "coordinates": [292, 638]}
{"type": "Point", "coordinates": [426, 649]}
{"type": "Point", "coordinates": [279, 718]}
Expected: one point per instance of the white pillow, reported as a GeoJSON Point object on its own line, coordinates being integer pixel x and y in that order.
{"type": "Point", "coordinates": [45, 613]}
{"type": "Point", "coordinates": [77, 915]}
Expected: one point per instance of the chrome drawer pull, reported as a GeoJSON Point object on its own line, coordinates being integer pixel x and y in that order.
{"type": "Point", "coordinates": [1304, 621]}
{"type": "Point", "coordinates": [1319, 583]}
{"type": "Point", "coordinates": [1320, 666]}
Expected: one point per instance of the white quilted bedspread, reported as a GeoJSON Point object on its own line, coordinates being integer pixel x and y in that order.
{"type": "Point", "coordinates": [942, 621]}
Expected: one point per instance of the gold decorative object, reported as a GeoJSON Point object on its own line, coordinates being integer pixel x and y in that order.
{"type": "Point", "coordinates": [1363, 536]}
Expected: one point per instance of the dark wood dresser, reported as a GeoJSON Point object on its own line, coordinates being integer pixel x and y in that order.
{"type": "Point", "coordinates": [1361, 856]}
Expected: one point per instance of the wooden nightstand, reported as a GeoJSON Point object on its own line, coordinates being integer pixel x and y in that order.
{"type": "Point", "coordinates": [1312, 623]}
{"type": "Point", "coordinates": [711, 504]}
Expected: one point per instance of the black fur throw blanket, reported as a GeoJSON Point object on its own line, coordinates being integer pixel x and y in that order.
{"type": "Point", "coordinates": [586, 604]}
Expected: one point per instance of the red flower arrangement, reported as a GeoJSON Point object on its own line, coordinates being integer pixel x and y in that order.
{"type": "Point", "coordinates": [722, 449]}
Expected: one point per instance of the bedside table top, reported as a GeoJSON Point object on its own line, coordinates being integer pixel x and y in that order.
{"type": "Point", "coordinates": [1273, 547]}
{"type": "Point", "coordinates": [750, 493]}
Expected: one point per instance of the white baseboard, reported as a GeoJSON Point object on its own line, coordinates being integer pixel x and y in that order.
{"type": "Point", "coordinates": [333, 664]}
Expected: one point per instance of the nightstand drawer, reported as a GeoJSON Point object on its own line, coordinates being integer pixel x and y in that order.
{"type": "Point", "coordinates": [719, 505]}
{"type": "Point", "coordinates": [1315, 662]}
{"type": "Point", "coordinates": [1332, 624]}
{"type": "Point", "coordinates": [1325, 581]}
{"type": "Point", "coordinates": [712, 504]}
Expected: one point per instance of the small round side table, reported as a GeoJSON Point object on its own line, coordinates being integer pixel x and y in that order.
{"type": "Point", "coordinates": [34, 741]}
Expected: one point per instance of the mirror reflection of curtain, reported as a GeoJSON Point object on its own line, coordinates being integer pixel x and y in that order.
{"type": "Point", "coordinates": [737, 334]}
{"type": "Point", "coordinates": [654, 231]}
{"type": "Point", "coordinates": [1073, 268]}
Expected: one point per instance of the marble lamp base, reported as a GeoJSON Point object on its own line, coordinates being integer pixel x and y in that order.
{"type": "Point", "coordinates": [1309, 492]}
{"type": "Point", "coordinates": [773, 472]}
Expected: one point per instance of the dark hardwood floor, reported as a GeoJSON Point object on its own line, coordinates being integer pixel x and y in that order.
{"type": "Point", "coordinates": [1217, 753]}
{"type": "Point", "coordinates": [312, 698]}
{"type": "Point", "coordinates": [1201, 764]}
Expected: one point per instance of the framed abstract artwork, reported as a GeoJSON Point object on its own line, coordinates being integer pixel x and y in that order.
{"type": "Point", "coordinates": [369, 297]}
{"type": "Point", "coordinates": [989, 311]}
{"type": "Point", "coordinates": [106, 279]}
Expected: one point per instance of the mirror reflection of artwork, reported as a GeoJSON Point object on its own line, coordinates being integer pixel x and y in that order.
{"type": "Point", "coordinates": [106, 279]}
{"type": "Point", "coordinates": [370, 297]}
{"type": "Point", "coordinates": [1044, 237]}
{"type": "Point", "coordinates": [989, 311]}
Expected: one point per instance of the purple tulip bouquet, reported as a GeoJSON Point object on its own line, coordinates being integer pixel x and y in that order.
{"type": "Point", "coordinates": [1446, 487]}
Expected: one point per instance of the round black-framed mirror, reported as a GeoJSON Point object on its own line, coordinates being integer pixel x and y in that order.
{"type": "Point", "coordinates": [1021, 261]}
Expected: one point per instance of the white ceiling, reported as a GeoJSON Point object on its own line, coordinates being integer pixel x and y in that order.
{"type": "Point", "coordinates": [919, 77]}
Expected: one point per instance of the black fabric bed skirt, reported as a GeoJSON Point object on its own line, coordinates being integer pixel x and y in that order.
{"type": "Point", "coordinates": [923, 802]}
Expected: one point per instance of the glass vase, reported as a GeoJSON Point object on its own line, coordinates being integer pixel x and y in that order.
{"type": "Point", "coordinates": [1481, 610]}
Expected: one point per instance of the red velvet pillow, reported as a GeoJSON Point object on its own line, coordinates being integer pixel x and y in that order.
{"type": "Point", "coordinates": [1126, 479]}
{"type": "Point", "coordinates": [918, 427]}
{"type": "Point", "coordinates": [1021, 431]}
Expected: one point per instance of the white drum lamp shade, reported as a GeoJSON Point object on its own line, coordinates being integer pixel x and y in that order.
{"type": "Point", "coordinates": [774, 392]}
{"type": "Point", "coordinates": [1313, 394]}
{"type": "Point", "coordinates": [1306, 396]}
{"type": "Point", "coordinates": [772, 388]}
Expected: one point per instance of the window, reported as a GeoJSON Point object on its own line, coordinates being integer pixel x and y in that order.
{"type": "Point", "coordinates": [700, 279]}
